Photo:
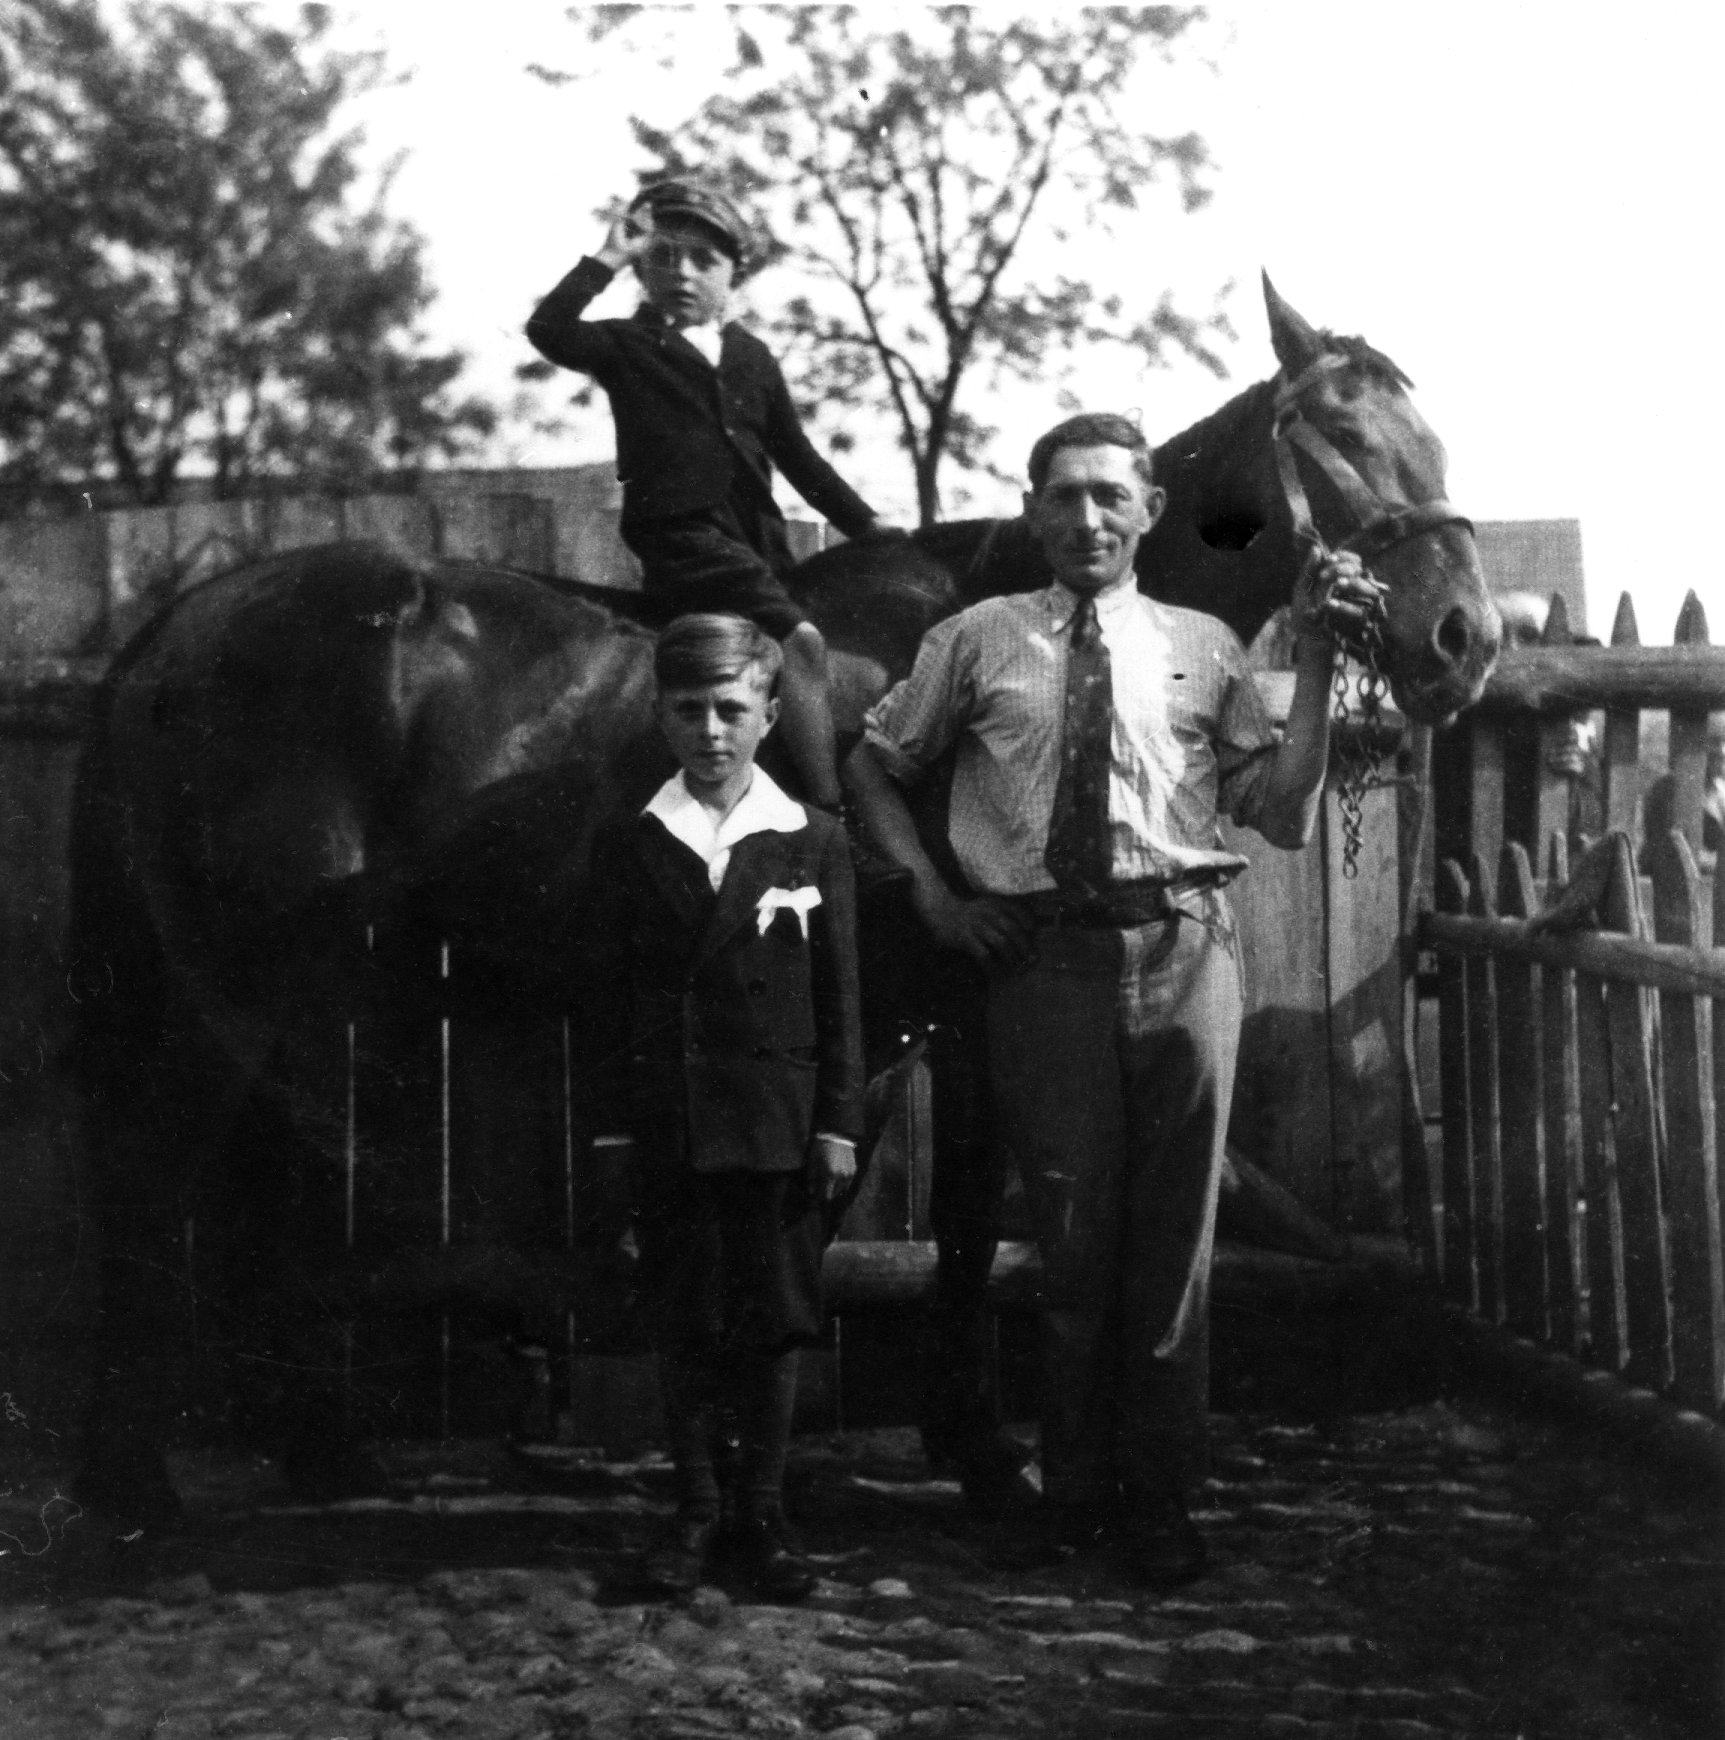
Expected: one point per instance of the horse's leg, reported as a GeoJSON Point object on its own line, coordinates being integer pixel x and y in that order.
{"type": "Point", "coordinates": [281, 1208]}
{"type": "Point", "coordinates": [144, 1312]}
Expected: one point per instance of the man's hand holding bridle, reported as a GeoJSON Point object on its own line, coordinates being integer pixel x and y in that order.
{"type": "Point", "coordinates": [1337, 599]}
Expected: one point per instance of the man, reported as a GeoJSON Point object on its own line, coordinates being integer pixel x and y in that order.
{"type": "Point", "coordinates": [1097, 735]}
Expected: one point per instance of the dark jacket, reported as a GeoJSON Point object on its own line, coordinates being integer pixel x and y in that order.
{"type": "Point", "coordinates": [687, 434]}
{"type": "Point", "coordinates": [741, 1046]}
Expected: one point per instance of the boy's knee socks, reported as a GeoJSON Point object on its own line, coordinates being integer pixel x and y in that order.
{"type": "Point", "coordinates": [689, 1418]}
{"type": "Point", "coordinates": [769, 1396]}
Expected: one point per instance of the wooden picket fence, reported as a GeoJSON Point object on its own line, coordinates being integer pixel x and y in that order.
{"type": "Point", "coordinates": [1582, 1066]}
{"type": "Point", "coordinates": [470, 1194]}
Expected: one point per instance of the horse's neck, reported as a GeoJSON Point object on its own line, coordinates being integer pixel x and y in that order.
{"type": "Point", "coordinates": [986, 557]}
{"type": "Point", "coordinates": [1223, 454]}
{"type": "Point", "coordinates": [1223, 544]}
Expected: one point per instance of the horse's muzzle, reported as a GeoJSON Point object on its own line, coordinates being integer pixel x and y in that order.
{"type": "Point", "coordinates": [1451, 669]}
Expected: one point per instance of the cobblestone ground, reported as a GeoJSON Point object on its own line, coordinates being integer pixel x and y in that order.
{"type": "Point", "coordinates": [1428, 1572]}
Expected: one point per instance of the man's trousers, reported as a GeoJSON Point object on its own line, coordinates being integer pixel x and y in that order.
{"type": "Point", "coordinates": [1111, 1060]}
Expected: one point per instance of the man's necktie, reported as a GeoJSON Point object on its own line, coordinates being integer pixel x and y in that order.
{"type": "Point", "coordinates": [1078, 852]}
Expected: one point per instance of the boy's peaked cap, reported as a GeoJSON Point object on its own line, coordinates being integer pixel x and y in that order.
{"type": "Point", "coordinates": [706, 205]}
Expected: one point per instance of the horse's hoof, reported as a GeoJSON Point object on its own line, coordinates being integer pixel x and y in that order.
{"type": "Point", "coordinates": [132, 1491]}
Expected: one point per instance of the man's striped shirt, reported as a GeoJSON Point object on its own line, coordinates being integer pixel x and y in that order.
{"type": "Point", "coordinates": [1190, 738]}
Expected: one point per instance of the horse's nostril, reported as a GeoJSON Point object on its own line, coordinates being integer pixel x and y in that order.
{"type": "Point", "coordinates": [1454, 637]}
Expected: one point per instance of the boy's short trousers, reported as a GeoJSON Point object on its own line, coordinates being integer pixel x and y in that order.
{"type": "Point", "coordinates": [730, 1261]}
{"type": "Point", "coordinates": [706, 561]}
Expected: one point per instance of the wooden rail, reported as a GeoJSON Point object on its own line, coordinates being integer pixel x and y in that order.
{"type": "Point", "coordinates": [1582, 1066]}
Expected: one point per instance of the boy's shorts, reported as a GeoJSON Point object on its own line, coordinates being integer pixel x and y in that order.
{"type": "Point", "coordinates": [706, 561]}
{"type": "Point", "coordinates": [731, 1262]}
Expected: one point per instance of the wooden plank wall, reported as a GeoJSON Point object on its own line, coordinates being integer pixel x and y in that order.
{"type": "Point", "coordinates": [1324, 986]}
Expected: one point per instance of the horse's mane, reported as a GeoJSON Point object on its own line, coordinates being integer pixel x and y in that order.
{"type": "Point", "coordinates": [1178, 457]}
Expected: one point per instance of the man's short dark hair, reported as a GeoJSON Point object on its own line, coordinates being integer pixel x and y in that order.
{"type": "Point", "coordinates": [709, 647]}
{"type": "Point", "coordinates": [1092, 429]}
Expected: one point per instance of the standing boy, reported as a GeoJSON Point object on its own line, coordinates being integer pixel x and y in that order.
{"type": "Point", "coordinates": [703, 415]}
{"type": "Point", "coordinates": [732, 911]}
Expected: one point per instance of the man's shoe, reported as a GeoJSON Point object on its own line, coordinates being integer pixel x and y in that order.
{"type": "Point", "coordinates": [992, 1474]}
{"type": "Point", "coordinates": [676, 1562]}
{"type": "Point", "coordinates": [763, 1556]}
{"type": "Point", "coordinates": [1046, 1534]}
{"type": "Point", "coordinates": [1162, 1544]}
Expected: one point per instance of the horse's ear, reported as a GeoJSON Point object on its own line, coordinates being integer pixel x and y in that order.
{"type": "Point", "coordinates": [1296, 342]}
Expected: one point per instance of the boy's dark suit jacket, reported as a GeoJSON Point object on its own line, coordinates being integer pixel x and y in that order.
{"type": "Point", "coordinates": [740, 1046]}
{"type": "Point", "coordinates": [687, 435]}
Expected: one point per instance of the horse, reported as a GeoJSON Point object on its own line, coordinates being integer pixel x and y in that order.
{"type": "Point", "coordinates": [336, 741]}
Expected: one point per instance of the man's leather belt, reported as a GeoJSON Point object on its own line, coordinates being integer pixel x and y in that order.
{"type": "Point", "coordinates": [1120, 906]}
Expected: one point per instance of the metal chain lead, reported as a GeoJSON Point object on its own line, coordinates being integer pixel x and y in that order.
{"type": "Point", "coordinates": [1356, 753]}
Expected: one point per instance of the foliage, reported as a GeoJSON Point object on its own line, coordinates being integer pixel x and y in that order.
{"type": "Point", "coordinates": [185, 283]}
{"type": "Point", "coordinates": [931, 180]}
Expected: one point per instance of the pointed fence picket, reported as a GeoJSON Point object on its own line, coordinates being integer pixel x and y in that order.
{"type": "Point", "coordinates": [1582, 1061]}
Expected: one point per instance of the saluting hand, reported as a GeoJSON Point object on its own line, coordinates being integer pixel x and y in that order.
{"type": "Point", "coordinates": [626, 239]}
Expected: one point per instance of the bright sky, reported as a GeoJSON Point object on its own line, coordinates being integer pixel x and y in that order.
{"type": "Point", "coordinates": [1519, 202]}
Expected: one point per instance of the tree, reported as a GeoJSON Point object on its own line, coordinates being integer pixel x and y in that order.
{"type": "Point", "coordinates": [929, 179]}
{"type": "Point", "coordinates": [185, 282]}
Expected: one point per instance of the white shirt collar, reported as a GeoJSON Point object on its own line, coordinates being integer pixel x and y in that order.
{"type": "Point", "coordinates": [708, 340]}
{"type": "Point", "coordinates": [1110, 605]}
{"type": "Point", "coordinates": [764, 808]}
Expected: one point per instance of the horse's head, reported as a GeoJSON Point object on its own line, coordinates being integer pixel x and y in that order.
{"type": "Point", "coordinates": [1360, 462]}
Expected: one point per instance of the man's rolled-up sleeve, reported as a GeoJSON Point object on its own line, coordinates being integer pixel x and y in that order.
{"type": "Point", "coordinates": [917, 720]}
{"type": "Point", "coordinates": [1246, 744]}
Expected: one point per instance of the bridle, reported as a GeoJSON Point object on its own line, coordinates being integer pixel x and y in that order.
{"type": "Point", "coordinates": [1379, 528]}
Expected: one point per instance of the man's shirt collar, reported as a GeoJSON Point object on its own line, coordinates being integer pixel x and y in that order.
{"type": "Point", "coordinates": [1063, 603]}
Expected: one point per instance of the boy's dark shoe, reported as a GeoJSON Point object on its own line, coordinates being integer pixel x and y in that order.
{"type": "Point", "coordinates": [763, 1555]}
{"type": "Point", "coordinates": [675, 1563]}
{"type": "Point", "coordinates": [1162, 1544]}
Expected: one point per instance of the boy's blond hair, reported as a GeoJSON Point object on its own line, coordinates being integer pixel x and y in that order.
{"type": "Point", "coordinates": [708, 647]}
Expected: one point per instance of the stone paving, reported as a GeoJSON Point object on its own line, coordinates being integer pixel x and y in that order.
{"type": "Point", "coordinates": [1434, 1571]}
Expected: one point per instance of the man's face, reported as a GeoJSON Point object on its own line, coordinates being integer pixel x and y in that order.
{"type": "Point", "coordinates": [715, 730]}
{"type": "Point", "coordinates": [1090, 513]}
{"type": "Point", "coordinates": [685, 273]}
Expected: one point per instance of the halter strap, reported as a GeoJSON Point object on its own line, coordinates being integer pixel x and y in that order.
{"type": "Point", "coordinates": [1380, 527]}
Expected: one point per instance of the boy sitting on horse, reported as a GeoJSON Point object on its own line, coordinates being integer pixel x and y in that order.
{"type": "Point", "coordinates": [728, 923]}
{"type": "Point", "coordinates": [702, 415]}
